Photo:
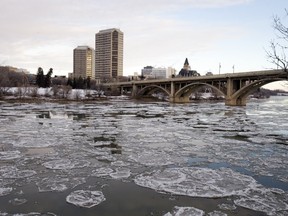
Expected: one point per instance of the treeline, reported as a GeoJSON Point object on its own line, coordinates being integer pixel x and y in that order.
{"type": "Point", "coordinates": [10, 78]}
{"type": "Point", "coordinates": [44, 81]}
{"type": "Point", "coordinates": [81, 83]}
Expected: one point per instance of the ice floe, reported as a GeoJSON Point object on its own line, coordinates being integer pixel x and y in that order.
{"type": "Point", "coordinates": [76, 141]}
{"type": "Point", "coordinates": [217, 213]}
{"type": "Point", "coordinates": [264, 200]}
{"type": "Point", "coordinates": [29, 214]}
{"type": "Point", "coordinates": [17, 201]}
{"type": "Point", "coordinates": [66, 164]}
{"type": "Point", "coordinates": [121, 173]}
{"type": "Point", "coordinates": [225, 206]}
{"type": "Point", "coordinates": [4, 191]}
{"type": "Point", "coordinates": [103, 171]}
{"type": "Point", "coordinates": [9, 155]}
{"type": "Point", "coordinates": [149, 158]}
{"type": "Point", "coordinates": [185, 211]}
{"type": "Point", "coordinates": [197, 182]}
{"type": "Point", "coordinates": [12, 172]}
{"type": "Point", "coordinates": [58, 183]}
{"type": "Point", "coordinates": [85, 198]}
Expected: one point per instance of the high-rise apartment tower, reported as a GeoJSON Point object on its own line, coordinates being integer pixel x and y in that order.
{"type": "Point", "coordinates": [109, 53]}
{"type": "Point", "coordinates": [84, 62]}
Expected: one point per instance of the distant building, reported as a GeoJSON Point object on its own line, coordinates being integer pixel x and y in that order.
{"type": "Point", "coordinates": [84, 62]}
{"type": "Point", "coordinates": [209, 73]}
{"type": "Point", "coordinates": [156, 73]}
{"type": "Point", "coordinates": [109, 53]}
{"type": "Point", "coordinates": [186, 70]}
{"type": "Point", "coordinates": [171, 72]}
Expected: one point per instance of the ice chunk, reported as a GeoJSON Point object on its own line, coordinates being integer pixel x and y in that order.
{"type": "Point", "coordinates": [11, 172]}
{"type": "Point", "coordinates": [66, 164]}
{"type": "Point", "coordinates": [185, 211]}
{"type": "Point", "coordinates": [106, 158]}
{"type": "Point", "coordinates": [120, 163]}
{"type": "Point", "coordinates": [29, 214]}
{"type": "Point", "coordinates": [103, 171]}
{"type": "Point", "coordinates": [149, 158]}
{"type": "Point", "coordinates": [264, 200]}
{"type": "Point", "coordinates": [225, 206]}
{"type": "Point", "coordinates": [58, 183]}
{"type": "Point", "coordinates": [197, 182]}
{"type": "Point", "coordinates": [9, 155]}
{"type": "Point", "coordinates": [216, 213]}
{"type": "Point", "coordinates": [121, 173]}
{"type": "Point", "coordinates": [5, 191]}
{"type": "Point", "coordinates": [85, 198]}
{"type": "Point", "coordinates": [40, 151]}
{"type": "Point", "coordinates": [17, 201]}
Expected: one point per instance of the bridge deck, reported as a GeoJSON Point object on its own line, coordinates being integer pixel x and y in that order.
{"type": "Point", "coordinates": [218, 77]}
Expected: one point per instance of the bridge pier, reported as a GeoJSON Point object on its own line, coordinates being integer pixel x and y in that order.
{"type": "Point", "coordinates": [134, 90]}
{"type": "Point", "coordinates": [231, 99]}
{"type": "Point", "coordinates": [174, 99]}
{"type": "Point", "coordinates": [235, 102]}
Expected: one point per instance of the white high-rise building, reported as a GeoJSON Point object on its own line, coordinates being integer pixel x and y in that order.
{"type": "Point", "coordinates": [156, 73]}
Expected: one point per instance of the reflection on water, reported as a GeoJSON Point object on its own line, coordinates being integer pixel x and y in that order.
{"type": "Point", "coordinates": [44, 115]}
{"type": "Point", "coordinates": [55, 158]}
{"type": "Point", "coordinates": [115, 148]}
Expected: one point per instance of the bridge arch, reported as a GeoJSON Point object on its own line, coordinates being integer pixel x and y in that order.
{"type": "Point", "coordinates": [148, 90]}
{"type": "Point", "coordinates": [240, 96]}
{"type": "Point", "coordinates": [183, 94]}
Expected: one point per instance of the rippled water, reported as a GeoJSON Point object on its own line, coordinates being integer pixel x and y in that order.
{"type": "Point", "coordinates": [123, 157]}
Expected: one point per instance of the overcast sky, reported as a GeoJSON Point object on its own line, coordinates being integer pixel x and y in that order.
{"type": "Point", "coordinates": [160, 33]}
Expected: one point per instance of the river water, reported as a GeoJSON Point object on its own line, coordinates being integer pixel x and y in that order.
{"type": "Point", "coordinates": [123, 157]}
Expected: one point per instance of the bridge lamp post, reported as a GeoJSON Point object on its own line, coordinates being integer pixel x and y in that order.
{"type": "Point", "coordinates": [219, 67]}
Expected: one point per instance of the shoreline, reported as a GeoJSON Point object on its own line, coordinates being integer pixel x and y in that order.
{"type": "Point", "coordinates": [50, 99]}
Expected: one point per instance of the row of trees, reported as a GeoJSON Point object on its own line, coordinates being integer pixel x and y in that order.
{"type": "Point", "coordinates": [10, 78]}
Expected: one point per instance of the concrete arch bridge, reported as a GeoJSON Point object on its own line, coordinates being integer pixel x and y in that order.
{"type": "Point", "coordinates": [235, 87]}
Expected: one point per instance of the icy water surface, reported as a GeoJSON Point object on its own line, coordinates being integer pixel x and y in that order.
{"type": "Point", "coordinates": [126, 157]}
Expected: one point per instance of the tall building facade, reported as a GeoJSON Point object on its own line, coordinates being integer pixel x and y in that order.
{"type": "Point", "coordinates": [84, 62]}
{"type": "Point", "coordinates": [109, 53]}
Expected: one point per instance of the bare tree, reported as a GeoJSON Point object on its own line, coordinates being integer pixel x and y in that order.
{"type": "Point", "coordinates": [55, 90]}
{"type": "Point", "coordinates": [279, 47]}
{"type": "Point", "coordinates": [65, 91]}
{"type": "Point", "coordinates": [34, 91]}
